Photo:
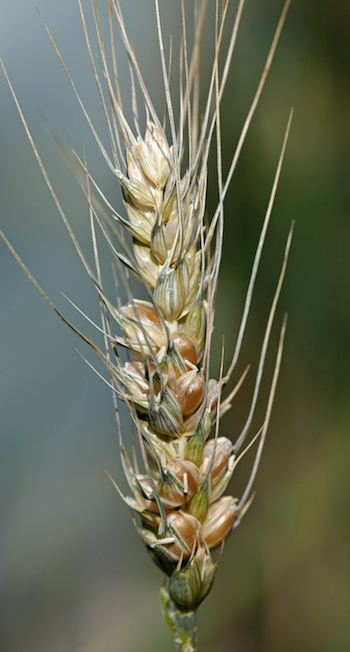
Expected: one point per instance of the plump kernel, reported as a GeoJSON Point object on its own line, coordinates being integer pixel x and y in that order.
{"type": "Point", "coordinates": [190, 388]}
{"type": "Point", "coordinates": [186, 473]}
{"type": "Point", "coordinates": [186, 346]}
{"type": "Point", "coordinates": [188, 528]}
{"type": "Point", "coordinates": [222, 455]}
{"type": "Point", "coordinates": [144, 312]}
{"type": "Point", "coordinates": [179, 468]}
{"type": "Point", "coordinates": [219, 521]}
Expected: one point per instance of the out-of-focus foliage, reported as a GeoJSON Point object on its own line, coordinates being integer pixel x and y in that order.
{"type": "Point", "coordinates": [76, 577]}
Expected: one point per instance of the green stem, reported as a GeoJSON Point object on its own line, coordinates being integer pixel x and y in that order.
{"type": "Point", "coordinates": [181, 623]}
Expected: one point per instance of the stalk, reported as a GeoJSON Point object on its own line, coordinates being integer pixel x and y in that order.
{"type": "Point", "coordinates": [182, 624]}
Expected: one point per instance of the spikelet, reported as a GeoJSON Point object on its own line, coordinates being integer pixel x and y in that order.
{"type": "Point", "coordinates": [169, 244]}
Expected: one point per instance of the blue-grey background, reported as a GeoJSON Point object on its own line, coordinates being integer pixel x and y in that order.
{"type": "Point", "coordinates": [74, 575]}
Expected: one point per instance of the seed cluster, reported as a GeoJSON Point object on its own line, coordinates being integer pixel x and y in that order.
{"type": "Point", "coordinates": [174, 404]}
{"type": "Point", "coordinates": [176, 255]}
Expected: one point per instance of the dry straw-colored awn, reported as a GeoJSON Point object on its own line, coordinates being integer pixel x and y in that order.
{"type": "Point", "coordinates": [174, 252]}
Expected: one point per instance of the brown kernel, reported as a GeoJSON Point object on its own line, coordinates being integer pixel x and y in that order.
{"type": "Point", "coordinates": [186, 473]}
{"type": "Point", "coordinates": [145, 312]}
{"type": "Point", "coordinates": [187, 527]}
{"type": "Point", "coordinates": [219, 521]}
{"type": "Point", "coordinates": [221, 457]}
{"type": "Point", "coordinates": [179, 467]}
{"type": "Point", "coordinates": [190, 389]}
{"type": "Point", "coordinates": [186, 346]}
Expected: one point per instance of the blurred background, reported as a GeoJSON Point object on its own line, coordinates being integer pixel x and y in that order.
{"type": "Point", "coordinates": [75, 576]}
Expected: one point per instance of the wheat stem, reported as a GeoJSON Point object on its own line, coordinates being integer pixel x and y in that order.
{"type": "Point", "coordinates": [182, 624]}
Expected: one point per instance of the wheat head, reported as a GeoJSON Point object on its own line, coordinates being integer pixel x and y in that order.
{"type": "Point", "coordinates": [174, 252]}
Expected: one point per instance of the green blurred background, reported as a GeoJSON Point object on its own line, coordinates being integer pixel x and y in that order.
{"type": "Point", "coordinates": [75, 576]}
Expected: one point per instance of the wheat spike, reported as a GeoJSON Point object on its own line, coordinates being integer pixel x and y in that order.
{"type": "Point", "coordinates": [168, 242]}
